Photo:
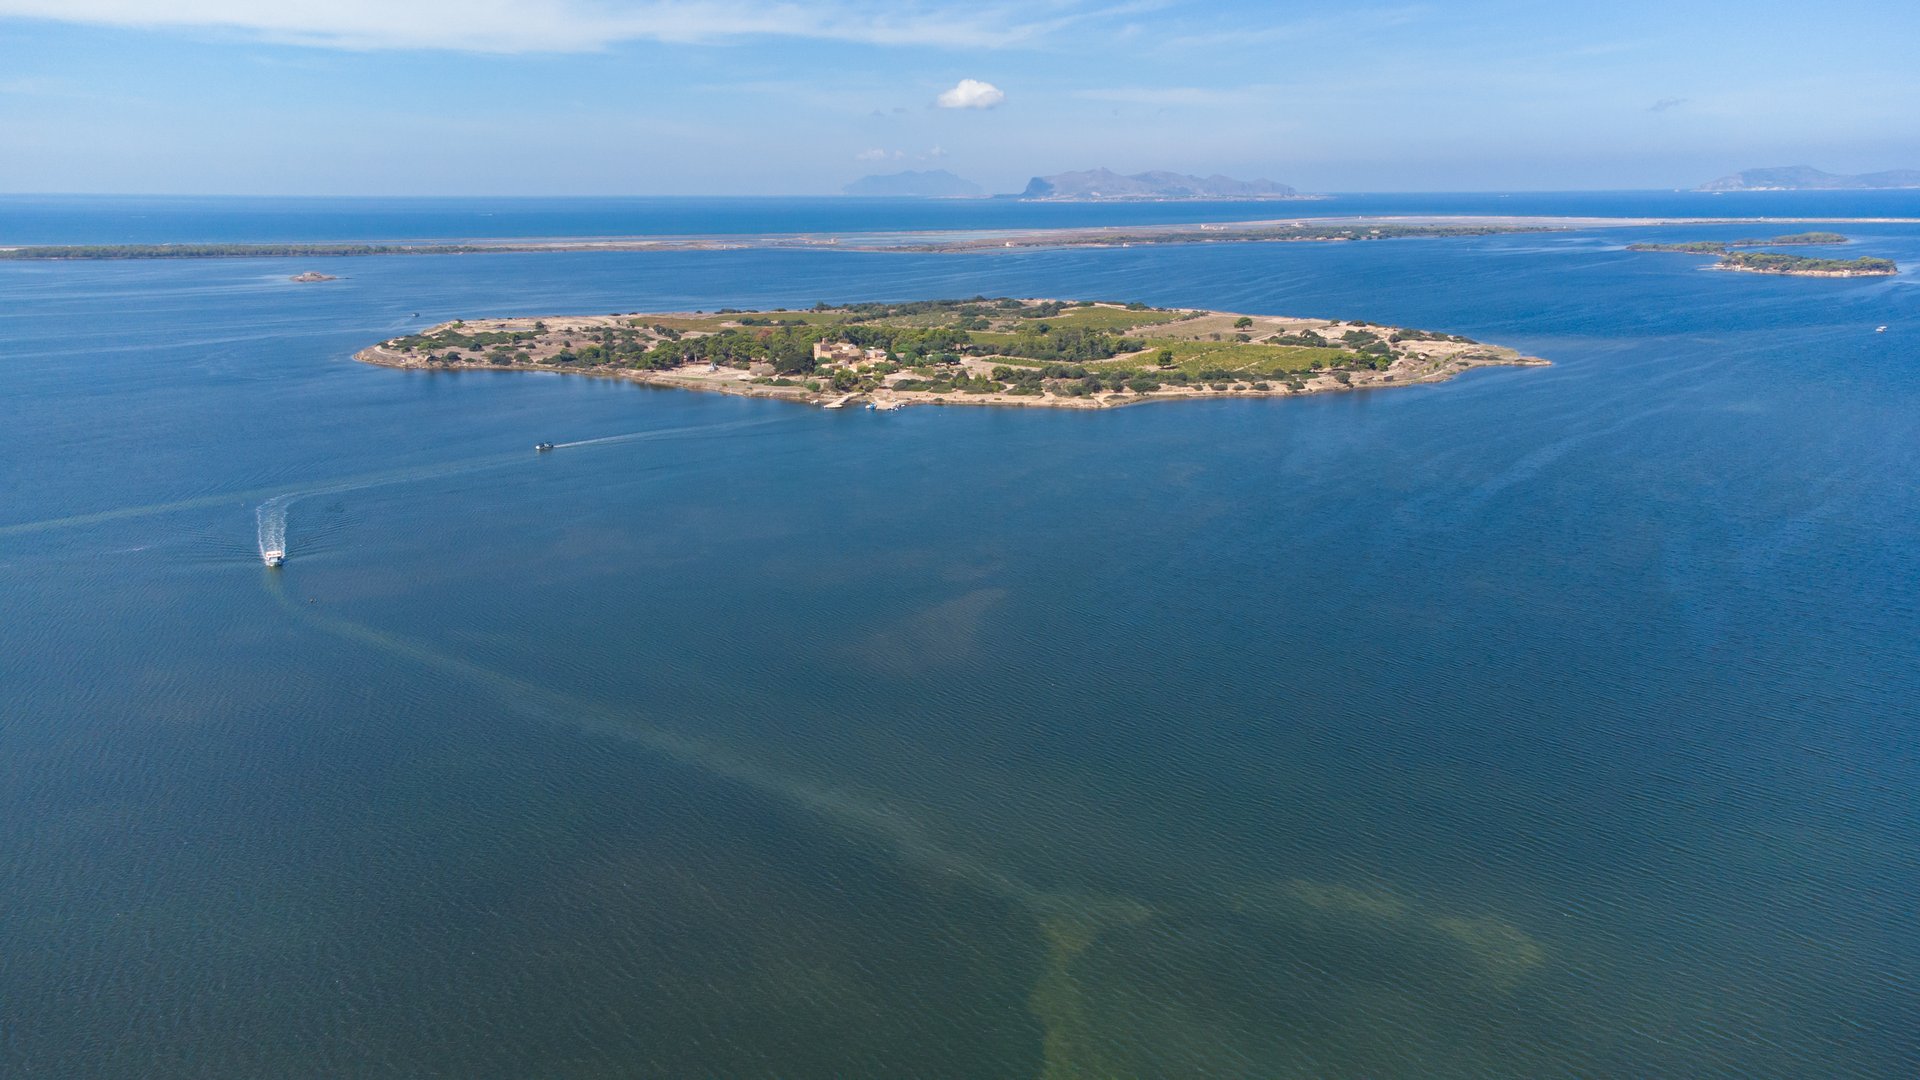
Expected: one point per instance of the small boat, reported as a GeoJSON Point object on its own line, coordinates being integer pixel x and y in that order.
{"type": "Point", "coordinates": [542, 447]}
{"type": "Point", "coordinates": [274, 557]}
{"type": "Point", "coordinates": [1879, 329]}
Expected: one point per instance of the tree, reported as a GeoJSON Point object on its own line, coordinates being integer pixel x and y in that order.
{"type": "Point", "coordinates": [1242, 323]}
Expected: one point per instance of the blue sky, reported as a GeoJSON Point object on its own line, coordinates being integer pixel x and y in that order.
{"type": "Point", "coordinates": [545, 97]}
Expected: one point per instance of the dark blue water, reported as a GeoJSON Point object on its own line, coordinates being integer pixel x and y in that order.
{"type": "Point", "coordinates": [119, 219]}
{"type": "Point", "coordinates": [1547, 722]}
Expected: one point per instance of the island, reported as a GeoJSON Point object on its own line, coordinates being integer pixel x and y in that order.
{"type": "Point", "coordinates": [1078, 354]}
{"type": "Point", "coordinates": [313, 275]}
{"type": "Point", "coordinates": [1808, 178]}
{"type": "Point", "coordinates": [1773, 262]}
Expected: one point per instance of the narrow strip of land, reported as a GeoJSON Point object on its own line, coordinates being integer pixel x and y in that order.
{"type": "Point", "coordinates": [1324, 230]}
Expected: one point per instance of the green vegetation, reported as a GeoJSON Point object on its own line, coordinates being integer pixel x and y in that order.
{"type": "Point", "coordinates": [455, 339]}
{"type": "Point", "coordinates": [1768, 262]}
{"type": "Point", "coordinates": [1691, 247]}
{"type": "Point", "coordinates": [1773, 262]}
{"type": "Point", "coordinates": [1022, 348]}
{"type": "Point", "coordinates": [1111, 319]}
{"type": "Point", "coordinates": [1794, 238]}
{"type": "Point", "coordinates": [1721, 247]}
{"type": "Point", "coordinates": [1208, 361]}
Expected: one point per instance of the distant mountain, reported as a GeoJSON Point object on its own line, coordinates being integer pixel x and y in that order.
{"type": "Point", "coordinates": [1107, 184]}
{"type": "Point", "coordinates": [1807, 178]}
{"type": "Point", "coordinates": [934, 183]}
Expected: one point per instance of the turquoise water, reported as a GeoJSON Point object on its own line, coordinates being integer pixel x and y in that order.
{"type": "Point", "coordinates": [158, 219]}
{"type": "Point", "coordinates": [1546, 722]}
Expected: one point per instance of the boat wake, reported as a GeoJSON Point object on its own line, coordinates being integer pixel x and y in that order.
{"type": "Point", "coordinates": [270, 519]}
{"type": "Point", "coordinates": [695, 430]}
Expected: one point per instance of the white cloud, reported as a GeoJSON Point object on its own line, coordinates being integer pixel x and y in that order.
{"type": "Point", "coordinates": [518, 26]}
{"type": "Point", "coordinates": [971, 94]}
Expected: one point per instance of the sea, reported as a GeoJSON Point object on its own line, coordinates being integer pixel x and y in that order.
{"type": "Point", "coordinates": [1547, 722]}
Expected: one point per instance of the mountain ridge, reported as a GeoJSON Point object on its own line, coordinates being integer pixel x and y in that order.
{"type": "Point", "coordinates": [1808, 178]}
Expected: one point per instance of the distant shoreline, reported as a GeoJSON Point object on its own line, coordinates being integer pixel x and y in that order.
{"type": "Point", "coordinates": [1160, 198]}
{"type": "Point", "coordinates": [1308, 229]}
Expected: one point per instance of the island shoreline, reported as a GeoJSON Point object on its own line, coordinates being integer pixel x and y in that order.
{"type": "Point", "coordinates": [846, 375]}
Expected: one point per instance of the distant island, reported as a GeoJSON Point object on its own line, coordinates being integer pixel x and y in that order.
{"type": "Point", "coordinates": [1771, 262]}
{"type": "Point", "coordinates": [1105, 184]}
{"type": "Point", "coordinates": [1004, 351]}
{"type": "Point", "coordinates": [1808, 178]}
{"type": "Point", "coordinates": [931, 184]}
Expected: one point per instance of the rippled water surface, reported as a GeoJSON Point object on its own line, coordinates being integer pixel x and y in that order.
{"type": "Point", "coordinates": [1547, 722]}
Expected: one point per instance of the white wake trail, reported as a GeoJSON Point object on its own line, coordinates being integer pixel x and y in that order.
{"type": "Point", "coordinates": [665, 433]}
{"type": "Point", "coordinates": [271, 521]}
{"type": "Point", "coordinates": [271, 516]}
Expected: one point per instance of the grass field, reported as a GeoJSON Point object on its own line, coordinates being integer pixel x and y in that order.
{"type": "Point", "coordinates": [1104, 318]}
{"type": "Point", "coordinates": [1194, 357]}
{"type": "Point", "coordinates": [708, 323]}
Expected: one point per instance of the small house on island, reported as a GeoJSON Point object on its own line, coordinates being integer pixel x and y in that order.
{"type": "Point", "coordinates": [843, 352]}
